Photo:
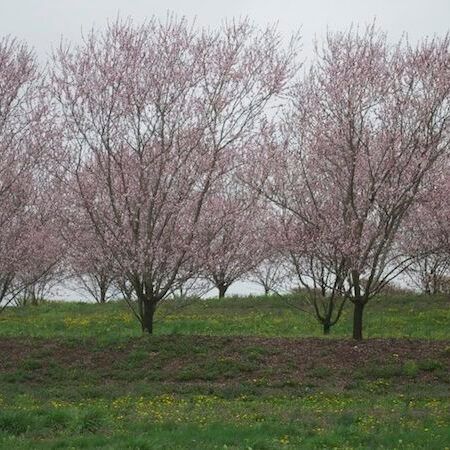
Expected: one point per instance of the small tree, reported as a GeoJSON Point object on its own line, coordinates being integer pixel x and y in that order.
{"type": "Point", "coordinates": [429, 273]}
{"type": "Point", "coordinates": [271, 274]}
{"type": "Point", "coordinates": [315, 267]}
{"type": "Point", "coordinates": [233, 231]}
{"type": "Point", "coordinates": [86, 264]}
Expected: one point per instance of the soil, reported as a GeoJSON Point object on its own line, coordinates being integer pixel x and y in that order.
{"type": "Point", "coordinates": [235, 359]}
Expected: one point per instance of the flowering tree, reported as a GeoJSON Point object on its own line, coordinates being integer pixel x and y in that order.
{"type": "Point", "coordinates": [150, 114]}
{"type": "Point", "coordinates": [315, 267]}
{"type": "Point", "coordinates": [270, 270]}
{"type": "Point", "coordinates": [270, 273]}
{"type": "Point", "coordinates": [44, 251]}
{"type": "Point", "coordinates": [425, 235]}
{"type": "Point", "coordinates": [366, 125]}
{"type": "Point", "coordinates": [85, 262]}
{"type": "Point", "coordinates": [27, 252]}
{"type": "Point", "coordinates": [233, 229]}
{"type": "Point", "coordinates": [430, 273]}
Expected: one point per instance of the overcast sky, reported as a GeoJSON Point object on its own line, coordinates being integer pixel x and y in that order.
{"type": "Point", "coordinates": [42, 22]}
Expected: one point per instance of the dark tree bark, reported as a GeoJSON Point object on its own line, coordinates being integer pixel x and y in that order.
{"type": "Point", "coordinates": [222, 289]}
{"type": "Point", "coordinates": [148, 311]}
{"type": "Point", "coordinates": [358, 320]}
{"type": "Point", "coordinates": [103, 292]}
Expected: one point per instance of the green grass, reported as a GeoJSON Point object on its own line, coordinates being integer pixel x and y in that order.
{"type": "Point", "coordinates": [172, 422]}
{"type": "Point", "coordinates": [230, 374]}
{"type": "Point", "coordinates": [405, 316]}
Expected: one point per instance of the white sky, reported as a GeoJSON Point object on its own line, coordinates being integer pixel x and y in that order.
{"type": "Point", "coordinates": [42, 22]}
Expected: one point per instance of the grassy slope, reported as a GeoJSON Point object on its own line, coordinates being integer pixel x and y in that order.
{"type": "Point", "coordinates": [401, 316]}
{"type": "Point", "coordinates": [91, 380]}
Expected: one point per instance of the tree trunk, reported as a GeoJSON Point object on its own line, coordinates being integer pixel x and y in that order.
{"type": "Point", "coordinates": [326, 327]}
{"type": "Point", "coordinates": [148, 312]}
{"type": "Point", "coordinates": [358, 320]}
{"type": "Point", "coordinates": [34, 299]}
{"type": "Point", "coordinates": [266, 290]}
{"type": "Point", "coordinates": [222, 289]}
{"type": "Point", "coordinates": [102, 294]}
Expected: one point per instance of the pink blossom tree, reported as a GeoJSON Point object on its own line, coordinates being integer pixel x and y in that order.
{"type": "Point", "coordinates": [86, 265]}
{"type": "Point", "coordinates": [425, 235]}
{"type": "Point", "coordinates": [233, 230]}
{"type": "Point", "coordinates": [315, 268]}
{"type": "Point", "coordinates": [150, 114]}
{"type": "Point", "coordinates": [430, 272]}
{"type": "Point", "coordinates": [271, 270]}
{"type": "Point", "coordinates": [27, 248]}
{"type": "Point", "coordinates": [44, 251]}
{"type": "Point", "coordinates": [365, 126]}
{"type": "Point", "coordinates": [271, 273]}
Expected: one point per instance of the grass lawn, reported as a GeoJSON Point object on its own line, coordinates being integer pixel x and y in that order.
{"type": "Point", "coordinates": [240, 373]}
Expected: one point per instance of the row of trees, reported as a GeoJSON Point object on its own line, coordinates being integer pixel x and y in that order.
{"type": "Point", "coordinates": [151, 158]}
